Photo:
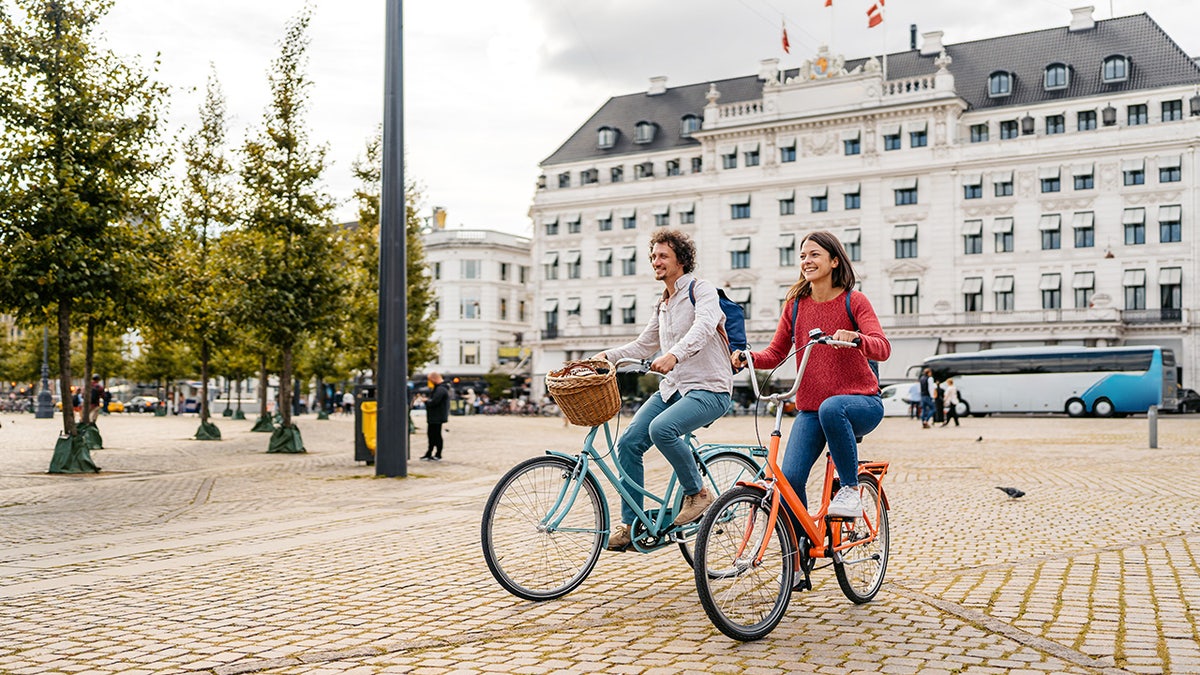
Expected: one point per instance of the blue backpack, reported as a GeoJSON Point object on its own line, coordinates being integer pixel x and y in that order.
{"type": "Point", "coordinates": [854, 322]}
{"type": "Point", "coordinates": [734, 331]}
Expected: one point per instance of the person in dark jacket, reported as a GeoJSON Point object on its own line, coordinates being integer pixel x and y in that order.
{"type": "Point", "coordinates": [437, 413]}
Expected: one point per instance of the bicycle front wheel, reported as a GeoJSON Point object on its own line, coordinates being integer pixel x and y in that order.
{"type": "Point", "coordinates": [536, 554]}
{"type": "Point", "coordinates": [860, 569]}
{"type": "Point", "coordinates": [744, 599]}
{"type": "Point", "coordinates": [719, 473]}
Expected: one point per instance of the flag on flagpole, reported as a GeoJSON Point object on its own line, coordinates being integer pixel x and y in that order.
{"type": "Point", "coordinates": [787, 47]}
{"type": "Point", "coordinates": [875, 14]}
{"type": "Point", "coordinates": [829, 3]}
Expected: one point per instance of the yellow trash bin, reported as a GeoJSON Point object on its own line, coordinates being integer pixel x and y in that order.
{"type": "Point", "coordinates": [368, 423]}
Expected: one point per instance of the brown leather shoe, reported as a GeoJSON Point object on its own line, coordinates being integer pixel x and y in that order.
{"type": "Point", "coordinates": [618, 539]}
{"type": "Point", "coordinates": [694, 507]}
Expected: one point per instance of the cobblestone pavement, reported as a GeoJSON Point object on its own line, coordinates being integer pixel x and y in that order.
{"type": "Point", "coordinates": [214, 557]}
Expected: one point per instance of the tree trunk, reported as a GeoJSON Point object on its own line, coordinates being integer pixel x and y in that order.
{"type": "Point", "coordinates": [262, 386]}
{"type": "Point", "coordinates": [320, 399]}
{"type": "Point", "coordinates": [204, 355]}
{"type": "Point", "coordinates": [238, 386]}
{"type": "Point", "coordinates": [89, 361]}
{"type": "Point", "coordinates": [285, 390]}
{"type": "Point", "coordinates": [64, 366]}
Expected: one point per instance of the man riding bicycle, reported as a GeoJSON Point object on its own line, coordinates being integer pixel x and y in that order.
{"type": "Point", "coordinates": [685, 327]}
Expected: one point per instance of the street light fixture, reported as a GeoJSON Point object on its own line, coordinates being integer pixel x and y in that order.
{"type": "Point", "coordinates": [45, 402]}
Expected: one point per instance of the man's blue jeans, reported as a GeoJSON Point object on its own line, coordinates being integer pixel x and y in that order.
{"type": "Point", "coordinates": [926, 407]}
{"type": "Point", "coordinates": [837, 422]}
{"type": "Point", "coordinates": [661, 424]}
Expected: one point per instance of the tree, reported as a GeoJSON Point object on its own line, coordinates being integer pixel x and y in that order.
{"type": "Point", "coordinates": [78, 128]}
{"type": "Point", "coordinates": [292, 288]}
{"type": "Point", "coordinates": [362, 334]}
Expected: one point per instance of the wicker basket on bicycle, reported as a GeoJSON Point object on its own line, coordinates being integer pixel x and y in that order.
{"type": "Point", "coordinates": [585, 391]}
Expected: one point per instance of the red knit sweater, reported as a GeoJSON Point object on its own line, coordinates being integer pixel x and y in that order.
{"type": "Point", "coordinates": [830, 371]}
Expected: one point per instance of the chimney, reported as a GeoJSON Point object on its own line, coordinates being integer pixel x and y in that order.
{"type": "Point", "coordinates": [912, 36]}
{"type": "Point", "coordinates": [931, 43]}
{"type": "Point", "coordinates": [1082, 19]}
{"type": "Point", "coordinates": [658, 85]}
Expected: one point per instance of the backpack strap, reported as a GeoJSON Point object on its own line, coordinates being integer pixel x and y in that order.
{"type": "Point", "coordinates": [850, 313]}
{"type": "Point", "coordinates": [692, 297]}
{"type": "Point", "coordinates": [795, 319]}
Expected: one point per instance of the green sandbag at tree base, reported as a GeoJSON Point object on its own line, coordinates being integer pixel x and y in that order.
{"type": "Point", "coordinates": [160, 410]}
{"type": "Point", "coordinates": [286, 439]}
{"type": "Point", "coordinates": [208, 432]}
{"type": "Point", "coordinates": [227, 413]}
{"type": "Point", "coordinates": [322, 415]}
{"type": "Point", "coordinates": [239, 415]}
{"type": "Point", "coordinates": [91, 435]}
{"type": "Point", "coordinates": [263, 424]}
{"type": "Point", "coordinates": [71, 455]}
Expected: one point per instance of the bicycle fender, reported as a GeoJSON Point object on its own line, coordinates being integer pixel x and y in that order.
{"type": "Point", "coordinates": [575, 458]}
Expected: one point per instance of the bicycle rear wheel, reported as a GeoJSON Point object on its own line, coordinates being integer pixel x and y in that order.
{"type": "Point", "coordinates": [529, 558]}
{"type": "Point", "coordinates": [744, 600]}
{"type": "Point", "coordinates": [861, 568]}
{"type": "Point", "coordinates": [719, 473]}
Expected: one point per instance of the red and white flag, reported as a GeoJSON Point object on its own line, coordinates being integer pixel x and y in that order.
{"type": "Point", "coordinates": [829, 3]}
{"type": "Point", "coordinates": [875, 14]}
{"type": "Point", "coordinates": [787, 46]}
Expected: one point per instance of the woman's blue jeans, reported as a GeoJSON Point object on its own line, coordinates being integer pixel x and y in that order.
{"type": "Point", "coordinates": [661, 424]}
{"type": "Point", "coordinates": [838, 420]}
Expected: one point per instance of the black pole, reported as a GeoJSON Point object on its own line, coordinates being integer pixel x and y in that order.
{"type": "Point", "coordinates": [391, 444]}
{"type": "Point", "coordinates": [45, 401]}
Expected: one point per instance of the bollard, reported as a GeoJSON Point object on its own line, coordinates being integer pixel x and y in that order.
{"type": "Point", "coordinates": [1152, 419]}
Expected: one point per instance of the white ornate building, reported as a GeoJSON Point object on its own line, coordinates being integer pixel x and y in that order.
{"type": "Point", "coordinates": [1028, 189]}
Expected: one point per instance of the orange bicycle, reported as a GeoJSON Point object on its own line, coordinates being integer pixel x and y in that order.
{"type": "Point", "coordinates": [749, 556]}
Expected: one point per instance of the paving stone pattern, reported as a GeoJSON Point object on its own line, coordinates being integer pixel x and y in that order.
{"type": "Point", "coordinates": [214, 557]}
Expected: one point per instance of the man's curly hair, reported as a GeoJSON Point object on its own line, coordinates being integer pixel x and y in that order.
{"type": "Point", "coordinates": [680, 243]}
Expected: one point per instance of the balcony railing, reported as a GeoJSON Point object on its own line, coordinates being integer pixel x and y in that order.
{"type": "Point", "coordinates": [1152, 316]}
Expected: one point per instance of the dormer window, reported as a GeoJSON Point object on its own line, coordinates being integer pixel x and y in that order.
{"type": "Point", "coordinates": [1000, 84]}
{"type": "Point", "coordinates": [688, 125]}
{"type": "Point", "coordinates": [606, 138]}
{"type": "Point", "coordinates": [644, 132]}
{"type": "Point", "coordinates": [1057, 76]}
{"type": "Point", "coordinates": [1116, 69]}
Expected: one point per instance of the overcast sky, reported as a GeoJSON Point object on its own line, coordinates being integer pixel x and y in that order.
{"type": "Point", "coordinates": [492, 88]}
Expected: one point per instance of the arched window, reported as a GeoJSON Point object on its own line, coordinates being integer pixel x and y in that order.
{"type": "Point", "coordinates": [1000, 84]}
{"type": "Point", "coordinates": [688, 125]}
{"type": "Point", "coordinates": [1116, 69]}
{"type": "Point", "coordinates": [1057, 76]}
{"type": "Point", "coordinates": [606, 138]}
{"type": "Point", "coordinates": [644, 132]}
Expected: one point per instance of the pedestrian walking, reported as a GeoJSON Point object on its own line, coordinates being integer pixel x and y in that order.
{"type": "Point", "coordinates": [437, 413]}
{"type": "Point", "coordinates": [951, 397]}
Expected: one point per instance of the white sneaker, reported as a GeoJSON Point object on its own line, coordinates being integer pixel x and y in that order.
{"type": "Point", "coordinates": [846, 503]}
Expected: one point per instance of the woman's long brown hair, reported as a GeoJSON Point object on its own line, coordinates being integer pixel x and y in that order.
{"type": "Point", "coordinates": [843, 274]}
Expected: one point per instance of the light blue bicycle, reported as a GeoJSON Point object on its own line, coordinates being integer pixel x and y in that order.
{"type": "Point", "coordinates": [547, 520]}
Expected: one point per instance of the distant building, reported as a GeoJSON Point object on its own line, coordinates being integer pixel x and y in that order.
{"type": "Point", "coordinates": [1029, 189]}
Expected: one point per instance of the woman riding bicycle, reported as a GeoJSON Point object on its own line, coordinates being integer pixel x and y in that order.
{"type": "Point", "coordinates": [839, 398]}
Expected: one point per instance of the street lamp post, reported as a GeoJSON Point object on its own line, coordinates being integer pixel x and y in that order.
{"type": "Point", "coordinates": [45, 402]}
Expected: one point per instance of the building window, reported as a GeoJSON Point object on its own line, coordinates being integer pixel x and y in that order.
{"type": "Point", "coordinates": [787, 250]}
{"type": "Point", "coordinates": [1134, 221]}
{"type": "Point", "coordinates": [573, 307]}
{"type": "Point", "coordinates": [1115, 69]}
{"type": "Point", "coordinates": [1051, 228]}
{"type": "Point", "coordinates": [904, 297]}
{"type": "Point", "coordinates": [524, 275]}
{"type": "Point", "coordinates": [972, 292]}
{"type": "Point", "coordinates": [751, 157]}
{"type": "Point", "coordinates": [673, 167]}
{"type": "Point", "coordinates": [1051, 184]}
{"type": "Point", "coordinates": [617, 174]}
{"type": "Point", "coordinates": [739, 253]}
{"type": "Point", "coordinates": [1085, 181]}
{"type": "Point", "coordinates": [589, 177]}
{"type": "Point", "coordinates": [973, 190]}
{"type": "Point", "coordinates": [551, 317]}
{"type": "Point", "coordinates": [572, 263]}
{"type": "Point", "coordinates": [687, 217]}
{"type": "Point", "coordinates": [550, 266]}
{"type": "Point", "coordinates": [1056, 77]}
{"type": "Point", "coordinates": [437, 270]}
{"type": "Point", "coordinates": [564, 180]}
{"type": "Point", "coordinates": [918, 139]}
{"type": "Point", "coordinates": [852, 201]}
{"type": "Point", "coordinates": [1084, 285]}
{"type": "Point", "coordinates": [905, 239]}
{"type": "Point", "coordinates": [1169, 171]}
{"type": "Point", "coordinates": [551, 227]}
{"type": "Point", "coordinates": [604, 223]}
{"type": "Point", "coordinates": [604, 262]}
{"type": "Point", "coordinates": [1056, 124]}
{"type": "Point", "coordinates": [891, 141]}
{"type": "Point", "coordinates": [979, 133]}
{"type": "Point", "coordinates": [1051, 287]}
{"type": "Point", "coordinates": [470, 269]}
{"type": "Point", "coordinates": [1003, 187]}
{"type": "Point", "coordinates": [1134, 282]}
{"type": "Point", "coordinates": [468, 307]}
{"type": "Point", "coordinates": [606, 138]}
{"type": "Point", "coordinates": [643, 170]}
{"type": "Point", "coordinates": [1137, 114]}
{"type": "Point", "coordinates": [689, 124]}
{"type": "Point", "coordinates": [787, 153]}
{"type": "Point", "coordinates": [504, 309]}
{"type": "Point", "coordinates": [1003, 231]}
{"type": "Point", "coordinates": [972, 237]}
{"type": "Point", "coordinates": [504, 267]}
{"type": "Point", "coordinates": [468, 353]}
{"type": "Point", "coordinates": [644, 132]}
{"type": "Point", "coordinates": [1008, 129]}
{"type": "Point", "coordinates": [662, 219]}
{"type": "Point", "coordinates": [1135, 175]}
{"type": "Point", "coordinates": [739, 211]}
{"type": "Point", "coordinates": [628, 309]}
{"type": "Point", "coordinates": [729, 161]}
{"type": "Point", "coordinates": [574, 227]}
{"type": "Point", "coordinates": [852, 240]}
{"type": "Point", "coordinates": [787, 206]}
{"type": "Point", "coordinates": [999, 84]}
{"type": "Point", "coordinates": [629, 222]}
{"type": "Point", "coordinates": [629, 261]}
{"type": "Point", "coordinates": [1170, 288]}
{"type": "Point", "coordinates": [697, 164]}
{"type": "Point", "coordinates": [1084, 224]}
{"type": "Point", "coordinates": [521, 314]}
{"type": "Point", "coordinates": [604, 312]}
{"type": "Point", "coordinates": [820, 203]}
{"type": "Point", "coordinates": [905, 196]}
{"type": "Point", "coordinates": [852, 146]}
{"type": "Point", "coordinates": [1002, 290]}
{"type": "Point", "coordinates": [1085, 120]}
{"type": "Point", "coordinates": [1170, 224]}
{"type": "Point", "coordinates": [1172, 111]}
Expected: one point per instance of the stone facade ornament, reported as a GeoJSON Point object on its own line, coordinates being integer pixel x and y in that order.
{"type": "Point", "coordinates": [712, 96]}
{"type": "Point", "coordinates": [943, 61]}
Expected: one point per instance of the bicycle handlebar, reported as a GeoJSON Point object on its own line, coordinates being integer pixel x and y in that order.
{"type": "Point", "coordinates": [816, 337]}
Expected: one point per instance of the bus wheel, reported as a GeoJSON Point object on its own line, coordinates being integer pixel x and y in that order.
{"type": "Point", "coordinates": [1076, 408]}
{"type": "Point", "coordinates": [964, 408]}
{"type": "Point", "coordinates": [1103, 408]}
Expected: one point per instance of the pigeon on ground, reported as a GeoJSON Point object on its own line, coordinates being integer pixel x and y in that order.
{"type": "Point", "coordinates": [1011, 492]}
{"type": "Point", "coordinates": [979, 440]}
